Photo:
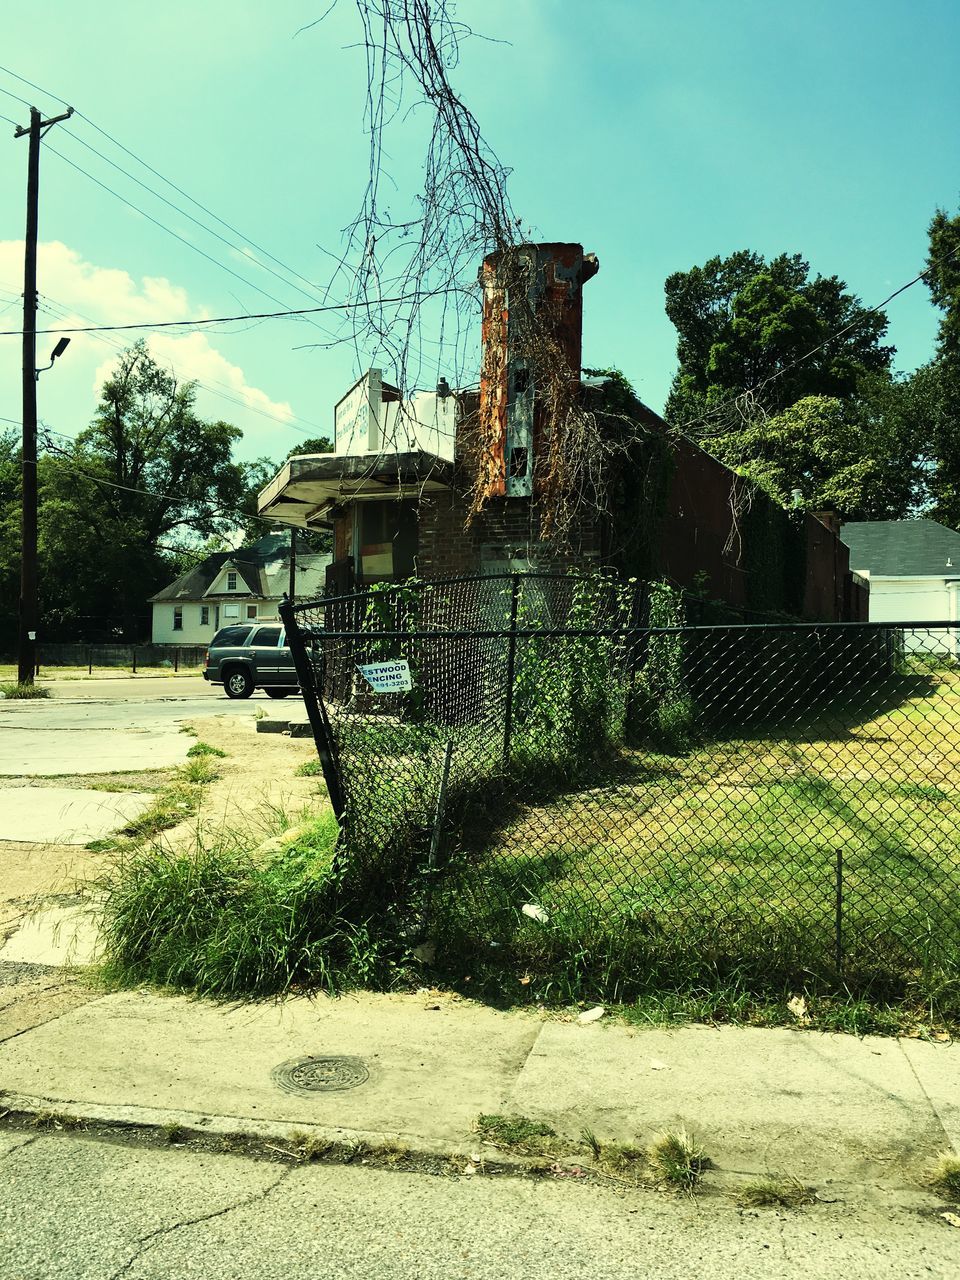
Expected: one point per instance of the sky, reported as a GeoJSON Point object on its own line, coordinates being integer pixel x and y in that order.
{"type": "Point", "coordinates": [657, 134]}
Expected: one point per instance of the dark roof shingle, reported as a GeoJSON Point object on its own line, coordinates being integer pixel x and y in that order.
{"type": "Point", "coordinates": [903, 548]}
{"type": "Point", "coordinates": [259, 565]}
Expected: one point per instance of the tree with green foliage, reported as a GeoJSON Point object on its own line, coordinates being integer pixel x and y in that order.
{"type": "Point", "coordinates": [943, 280]}
{"type": "Point", "coordinates": [938, 383]}
{"type": "Point", "coordinates": [117, 503]}
{"type": "Point", "coordinates": [743, 323]}
{"type": "Point", "coordinates": [315, 444]}
{"type": "Point", "coordinates": [859, 458]}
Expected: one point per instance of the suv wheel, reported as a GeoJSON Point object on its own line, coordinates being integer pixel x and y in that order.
{"type": "Point", "coordinates": [278, 693]}
{"type": "Point", "coordinates": [238, 683]}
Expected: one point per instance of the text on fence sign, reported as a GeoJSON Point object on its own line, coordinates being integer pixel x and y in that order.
{"type": "Point", "coordinates": [387, 677]}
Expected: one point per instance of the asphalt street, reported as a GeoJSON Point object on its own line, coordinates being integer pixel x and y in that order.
{"type": "Point", "coordinates": [71, 1205]}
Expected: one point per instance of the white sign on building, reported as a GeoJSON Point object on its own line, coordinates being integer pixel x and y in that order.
{"type": "Point", "coordinates": [356, 417]}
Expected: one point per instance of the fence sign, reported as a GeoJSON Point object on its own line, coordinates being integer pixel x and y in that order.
{"type": "Point", "coordinates": [387, 677]}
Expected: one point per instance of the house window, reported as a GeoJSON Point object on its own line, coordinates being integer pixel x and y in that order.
{"type": "Point", "coordinates": [251, 610]}
{"type": "Point", "coordinates": [231, 581]}
{"type": "Point", "coordinates": [178, 617]}
{"type": "Point", "coordinates": [204, 615]}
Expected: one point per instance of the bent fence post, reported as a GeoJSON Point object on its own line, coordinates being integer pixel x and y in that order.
{"type": "Point", "coordinates": [511, 668]}
{"type": "Point", "coordinates": [316, 711]}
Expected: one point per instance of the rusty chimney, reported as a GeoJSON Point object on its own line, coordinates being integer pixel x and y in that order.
{"type": "Point", "coordinates": [549, 279]}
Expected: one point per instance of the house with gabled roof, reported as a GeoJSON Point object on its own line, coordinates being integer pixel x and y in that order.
{"type": "Point", "coordinates": [245, 585]}
{"type": "Point", "coordinates": [913, 567]}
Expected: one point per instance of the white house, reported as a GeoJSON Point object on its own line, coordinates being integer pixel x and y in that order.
{"type": "Point", "coordinates": [233, 586]}
{"type": "Point", "coordinates": [914, 571]}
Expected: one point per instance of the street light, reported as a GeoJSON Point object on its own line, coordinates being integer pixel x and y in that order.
{"type": "Point", "coordinates": [55, 354]}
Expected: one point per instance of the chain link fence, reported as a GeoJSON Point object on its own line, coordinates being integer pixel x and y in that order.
{"type": "Point", "coordinates": [576, 778]}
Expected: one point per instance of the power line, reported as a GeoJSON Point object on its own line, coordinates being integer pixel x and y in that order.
{"type": "Point", "coordinates": [225, 394]}
{"type": "Point", "coordinates": [156, 222]}
{"type": "Point", "coordinates": [196, 221]}
{"type": "Point", "coordinates": [217, 262]}
{"type": "Point", "coordinates": [157, 174]}
{"type": "Point", "coordinates": [60, 310]}
{"type": "Point", "coordinates": [333, 338]}
{"type": "Point", "coordinates": [16, 96]}
{"type": "Point", "coordinates": [254, 315]}
{"type": "Point", "coordinates": [169, 230]}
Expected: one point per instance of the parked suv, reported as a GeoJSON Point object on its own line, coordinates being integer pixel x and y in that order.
{"type": "Point", "coordinates": [244, 658]}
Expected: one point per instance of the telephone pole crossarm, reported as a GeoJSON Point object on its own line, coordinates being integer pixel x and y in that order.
{"type": "Point", "coordinates": [21, 130]}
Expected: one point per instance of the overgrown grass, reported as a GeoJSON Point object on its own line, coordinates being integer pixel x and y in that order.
{"type": "Point", "coordinates": [200, 770]}
{"type": "Point", "coordinates": [688, 877]}
{"type": "Point", "coordinates": [674, 1160]}
{"type": "Point", "coordinates": [780, 1191]}
{"type": "Point", "coordinates": [520, 1134]}
{"type": "Point", "coordinates": [205, 749]}
{"type": "Point", "coordinates": [946, 1177]}
{"type": "Point", "coordinates": [623, 1161]}
{"type": "Point", "coordinates": [10, 689]}
{"type": "Point", "coordinates": [678, 1159]}
{"type": "Point", "coordinates": [309, 769]}
{"type": "Point", "coordinates": [219, 921]}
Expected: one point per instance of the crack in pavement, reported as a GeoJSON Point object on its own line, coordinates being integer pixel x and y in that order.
{"type": "Point", "coordinates": [934, 1111]}
{"type": "Point", "coordinates": [46, 1022]}
{"type": "Point", "coordinates": [150, 1241]}
{"type": "Point", "coordinates": [28, 1140]}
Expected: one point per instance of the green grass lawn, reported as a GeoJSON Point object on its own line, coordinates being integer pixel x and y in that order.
{"type": "Point", "coordinates": [729, 859]}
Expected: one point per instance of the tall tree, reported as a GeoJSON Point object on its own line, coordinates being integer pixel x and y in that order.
{"type": "Point", "coordinates": [938, 383]}
{"type": "Point", "coordinates": [147, 477]}
{"type": "Point", "coordinates": [743, 322]}
{"type": "Point", "coordinates": [943, 280]}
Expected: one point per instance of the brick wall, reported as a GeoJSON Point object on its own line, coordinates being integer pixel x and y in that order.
{"type": "Point", "coordinates": [508, 529]}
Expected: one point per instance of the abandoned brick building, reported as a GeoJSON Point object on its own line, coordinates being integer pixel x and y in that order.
{"type": "Point", "coordinates": [447, 483]}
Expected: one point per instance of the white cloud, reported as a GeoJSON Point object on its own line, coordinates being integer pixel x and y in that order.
{"type": "Point", "coordinates": [108, 295]}
{"type": "Point", "coordinates": [192, 357]}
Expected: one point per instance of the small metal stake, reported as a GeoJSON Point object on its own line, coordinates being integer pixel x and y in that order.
{"type": "Point", "coordinates": [839, 914]}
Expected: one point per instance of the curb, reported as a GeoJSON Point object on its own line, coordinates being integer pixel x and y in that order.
{"type": "Point", "coordinates": [301, 1143]}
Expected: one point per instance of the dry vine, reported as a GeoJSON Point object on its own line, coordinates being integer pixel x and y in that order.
{"type": "Point", "coordinates": [430, 259]}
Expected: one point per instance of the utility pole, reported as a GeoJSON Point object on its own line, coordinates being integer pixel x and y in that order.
{"type": "Point", "coordinates": [292, 593]}
{"type": "Point", "coordinates": [27, 636]}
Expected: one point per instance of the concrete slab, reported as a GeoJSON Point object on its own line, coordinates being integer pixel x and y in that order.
{"type": "Point", "coordinates": [937, 1068]}
{"type": "Point", "coordinates": [30, 870]}
{"type": "Point", "coordinates": [55, 937]}
{"type": "Point", "coordinates": [106, 735]}
{"type": "Point", "coordinates": [31, 995]}
{"type": "Point", "coordinates": [764, 1098]}
{"type": "Point", "coordinates": [65, 815]}
{"type": "Point", "coordinates": [45, 754]}
{"type": "Point", "coordinates": [431, 1070]}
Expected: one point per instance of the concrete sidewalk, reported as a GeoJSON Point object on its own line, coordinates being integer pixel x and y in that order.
{"type": "Point", "coordinates": [824, 1108]}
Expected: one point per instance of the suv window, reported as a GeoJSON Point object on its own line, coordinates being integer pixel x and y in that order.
{"type": "Point", "coordinates": [229, 637]}
{"type": "Point", "coordinates": [266, 637]}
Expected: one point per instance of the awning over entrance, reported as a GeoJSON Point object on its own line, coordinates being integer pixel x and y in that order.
{"type": "Point", "coordinates": [306, 488]}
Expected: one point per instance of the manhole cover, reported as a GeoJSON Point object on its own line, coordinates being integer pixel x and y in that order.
{"type": "Point", "coordinates": [310, 1075]}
